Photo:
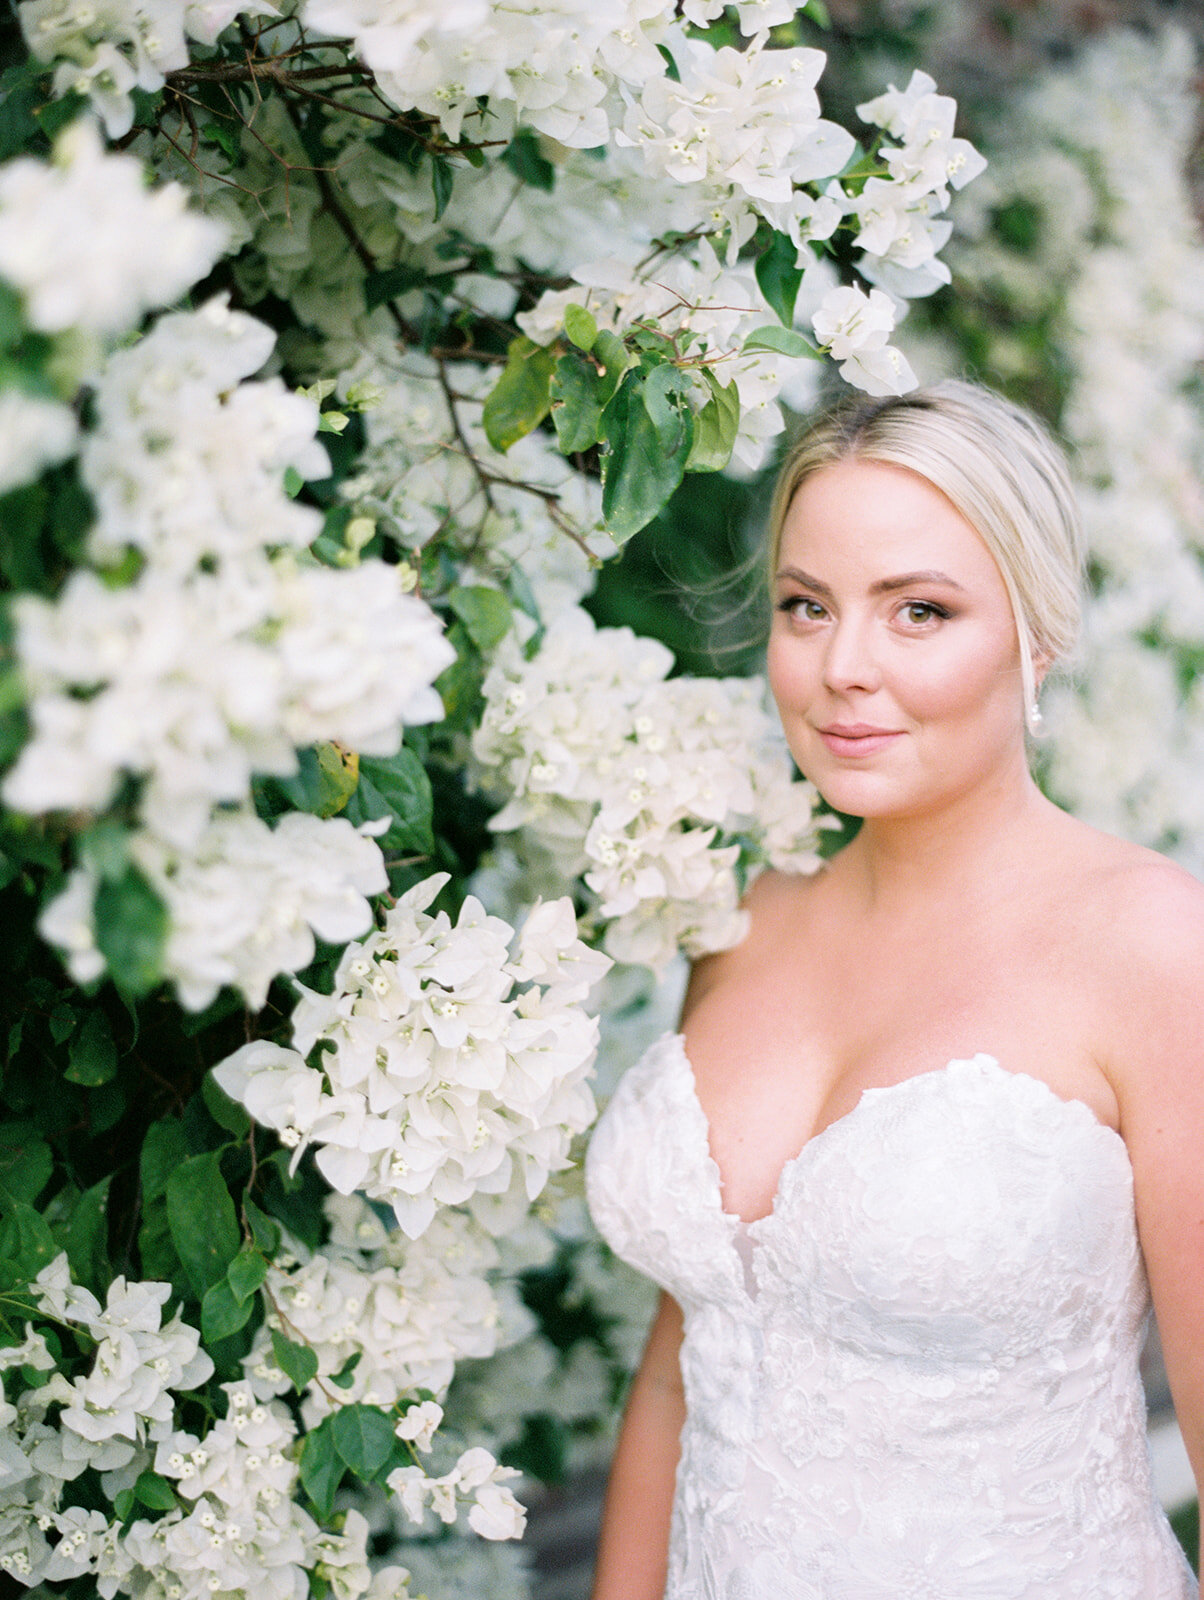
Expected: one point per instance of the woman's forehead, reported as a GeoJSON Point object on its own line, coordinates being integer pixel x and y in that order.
{"type": "Point", "coordinates": [880, 521]}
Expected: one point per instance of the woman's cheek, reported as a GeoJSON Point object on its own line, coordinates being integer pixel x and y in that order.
{"type": "Point", "coordinates": [788, 673]}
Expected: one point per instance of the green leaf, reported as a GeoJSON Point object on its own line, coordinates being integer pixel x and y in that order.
{"type": "Point", "coordinates": [106, 847]}
{"type": "Point", "coordinates": [581, 326]}
{"type": "Point", "coordinates": [779, 276]}
{"type": "Point", "coordinates": [818, 12]}
{"type": "Point", "coordinates": [321, 1469]}
{"type": "Point", "coordinates": [12, 314]}
{"type": "Point", "coordinates": [485, 612]}
{"type": "Point", "coordinates": [156, 1251]}
{"type": "Point", "coordinates": [671, 69]}
{"type": "Point", "coordinates": [345, 1376]}
{"type": "Point", "coordinates": [339, 773]}
{"type": "Point", "coordinates": [223, 136]}
{"type": "Point", "coordinates": [616, 360]}
{"type": "Point", "coordinates": [577, 401]}
{"type": "Point", "coordinates": [525, 159]}
{"type": "Point", "coordinates": [26, 1161]}
{"type": "Point", "coordinates": [715, 428]}
{"type": "Point", "coordinates": [265, 1230]}
{"type": "Point", "coordinates": [783, 341]}
{"type": "Point", "coordinates": [638, 474]}
{"type": "Point", "coordinates": [22, 561]}
{"type": "Point", "coordinates": [399, 144]}
{"type": "Point", "coordinates": [542, 1449]}
{"type": "Point", "coordinates": [223, 1313]}
{"type": "Point", "coordinates": [227, 1113]}
{"type": "Point", "coordinates": [71, 517]}
{"type": "Point", "coordinates": [20, 95]}
{"type": "Point", "coordinates": [293, 482]}
{"type": "Point", "coordinates": [385, 285]}
{"type": "Point", "coordinates": [92, 1058]}
{"type": "Point", "coordinates": [88, 1237]}
{"type": "Point", "coordinates": [200, 1214]}
{"type": "Point", "coordinates": [106, 1106]}
{"type": "Point", "coordinates": [154, 1492]}
{"type": "Point", "coordinates": [665, 390]}
{"type": "Point", "coordinates": [443, 177]}
{"type": "Point", "coordinates": [62, 1021]}
{"type": "Point", "coordinates": [400, 784]}
{"type": "Point", "coordinates": [363, 1437]}
{"type": "Point", "coordinates": [163, 1149]}
{"type": "Point", "coordinates": [25, 1239]}
{"type": "Point", "coordinates": [297, 1361]}
{"type": "Point", "coordinates": [520, 399]}
{"type": "Point", "coordinates": [131, 931]}
{"type": "Point", "coordinates": [123, 1504]}
{"type": "Point", "coordinates": [147, 104]}
{"type": "Point", "coordinates": [246, 1273]}
{"type": "Point", "coordinates": [309, 790]}
{"type": "Point", "coordinates": [54, 115]}
{"type": "Point", "coordinates": [862, 164]}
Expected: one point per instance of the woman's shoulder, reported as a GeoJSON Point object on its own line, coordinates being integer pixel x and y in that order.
{"type": "Point", "coordinates": [1141, 925]}
{"type": "Point", "coordinates": [1146, 909]}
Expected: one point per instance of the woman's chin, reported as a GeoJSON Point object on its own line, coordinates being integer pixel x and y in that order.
{"type": "Point", "coordinates": [862, 794]}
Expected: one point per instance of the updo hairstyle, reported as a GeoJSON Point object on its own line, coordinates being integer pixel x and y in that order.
{"type": "Point", "coordinates": [998, 467]}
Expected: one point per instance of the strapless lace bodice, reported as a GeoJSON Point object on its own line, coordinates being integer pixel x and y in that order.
{"type": "Point", "coordinates": [916, 1379]}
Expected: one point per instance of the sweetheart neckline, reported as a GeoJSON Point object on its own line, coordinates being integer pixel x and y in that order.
{"type": "Point", "coordinates": [981, 1059]}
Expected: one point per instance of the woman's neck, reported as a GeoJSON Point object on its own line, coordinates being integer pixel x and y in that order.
{"type": "Point", "coordinates": [948, 855]}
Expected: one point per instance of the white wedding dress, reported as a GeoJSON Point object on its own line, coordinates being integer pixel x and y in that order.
{"type": "Point", "coordinates": [917, 1378]}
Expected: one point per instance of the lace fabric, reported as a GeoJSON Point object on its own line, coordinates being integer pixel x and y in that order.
{"type": "Point", "coordinates": [916, 1379]}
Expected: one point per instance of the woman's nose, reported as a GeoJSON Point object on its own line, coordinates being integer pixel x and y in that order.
{"type": "Point", "coordinates": [850, 661]}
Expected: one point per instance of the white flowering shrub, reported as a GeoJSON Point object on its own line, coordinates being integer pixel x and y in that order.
{"type": "Point", "coordinates": [340, 344]}
{"type": "Point", "coordinates": [454, 1066]}
{"type": "Point", "coordinates": [660, 794]}
{"type": "Point", "coordinates": [1084, 256]}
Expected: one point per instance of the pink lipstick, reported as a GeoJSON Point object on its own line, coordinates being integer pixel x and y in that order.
{"type": "Point", "coordinates": [856, 738]}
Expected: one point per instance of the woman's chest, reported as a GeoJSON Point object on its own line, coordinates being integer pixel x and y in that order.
{"type": "Point", "coordinates": [788, 1050]}
{"type": "Point", "coordinates": [964, 1206]}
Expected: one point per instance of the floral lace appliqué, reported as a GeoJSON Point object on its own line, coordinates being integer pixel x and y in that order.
{"type": "Point", "coordinates": [917, 1378]}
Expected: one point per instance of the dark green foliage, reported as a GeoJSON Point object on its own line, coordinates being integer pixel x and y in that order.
{"type": "Point", "coordinates": [1186, 1523]}
{"type": "Point", "coordinates": [692, 579]}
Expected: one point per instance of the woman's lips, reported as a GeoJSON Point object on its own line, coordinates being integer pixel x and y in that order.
{"type": "Point", "coordinates": [856, 738]}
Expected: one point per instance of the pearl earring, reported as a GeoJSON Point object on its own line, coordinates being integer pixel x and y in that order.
{"type": "Point", "coordinates": [1035, 719]}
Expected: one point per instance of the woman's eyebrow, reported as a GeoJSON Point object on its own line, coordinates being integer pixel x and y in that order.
{"type": "Point", "coordinates": [905, 580]}
{"type": "Point", "coordinates": [805, 579]}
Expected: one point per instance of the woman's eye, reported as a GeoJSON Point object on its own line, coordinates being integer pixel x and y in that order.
{"type": "Point", "coordinates": [797, 605]}
{"type": "Point", "coordinates": [921, 611]}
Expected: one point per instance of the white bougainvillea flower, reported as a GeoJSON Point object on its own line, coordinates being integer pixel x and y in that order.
{"type": "Point", "coordinates": [187, 459]}
{"type": "Point", "coordinates": [400, 1312]}
{"type": "Point", "coordinates": [226, 653]}
{"type": "Point", "coordinates": [88, 245]}
{"type": "Point", "coordinates": [454, 1070]}
{"type": "Point", "coordinates": [244, 902]}
{"type": "Point", "coordinates": [419, 1424]}
{"type": "Point", "coordinates": [108, 49]}
{"type": "Point", "coordinates": [495, 1513]}
{"type": "Point", "coordinates": [854, 328]}
{"type": "Point", "coordinates": [612, 771]}
{"type": "Point", "coordinates": [124, 1401]}
{"type": "Point", "coordinates": [922, 120]}
{"type": "Point", "coordinates": [35, 433]}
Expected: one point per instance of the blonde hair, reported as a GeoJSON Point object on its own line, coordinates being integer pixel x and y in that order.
{"type": "Point", "coordinates": [998, 467]}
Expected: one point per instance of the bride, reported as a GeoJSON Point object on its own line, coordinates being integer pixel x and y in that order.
{"type": "Point", "coordinates": [893, 1174]}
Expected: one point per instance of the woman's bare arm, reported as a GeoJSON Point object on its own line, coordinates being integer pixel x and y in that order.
{"type": "Point", "coordinates": [634, 1546]}
{"type": "Point", "coordinates": [1160, 1086]}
